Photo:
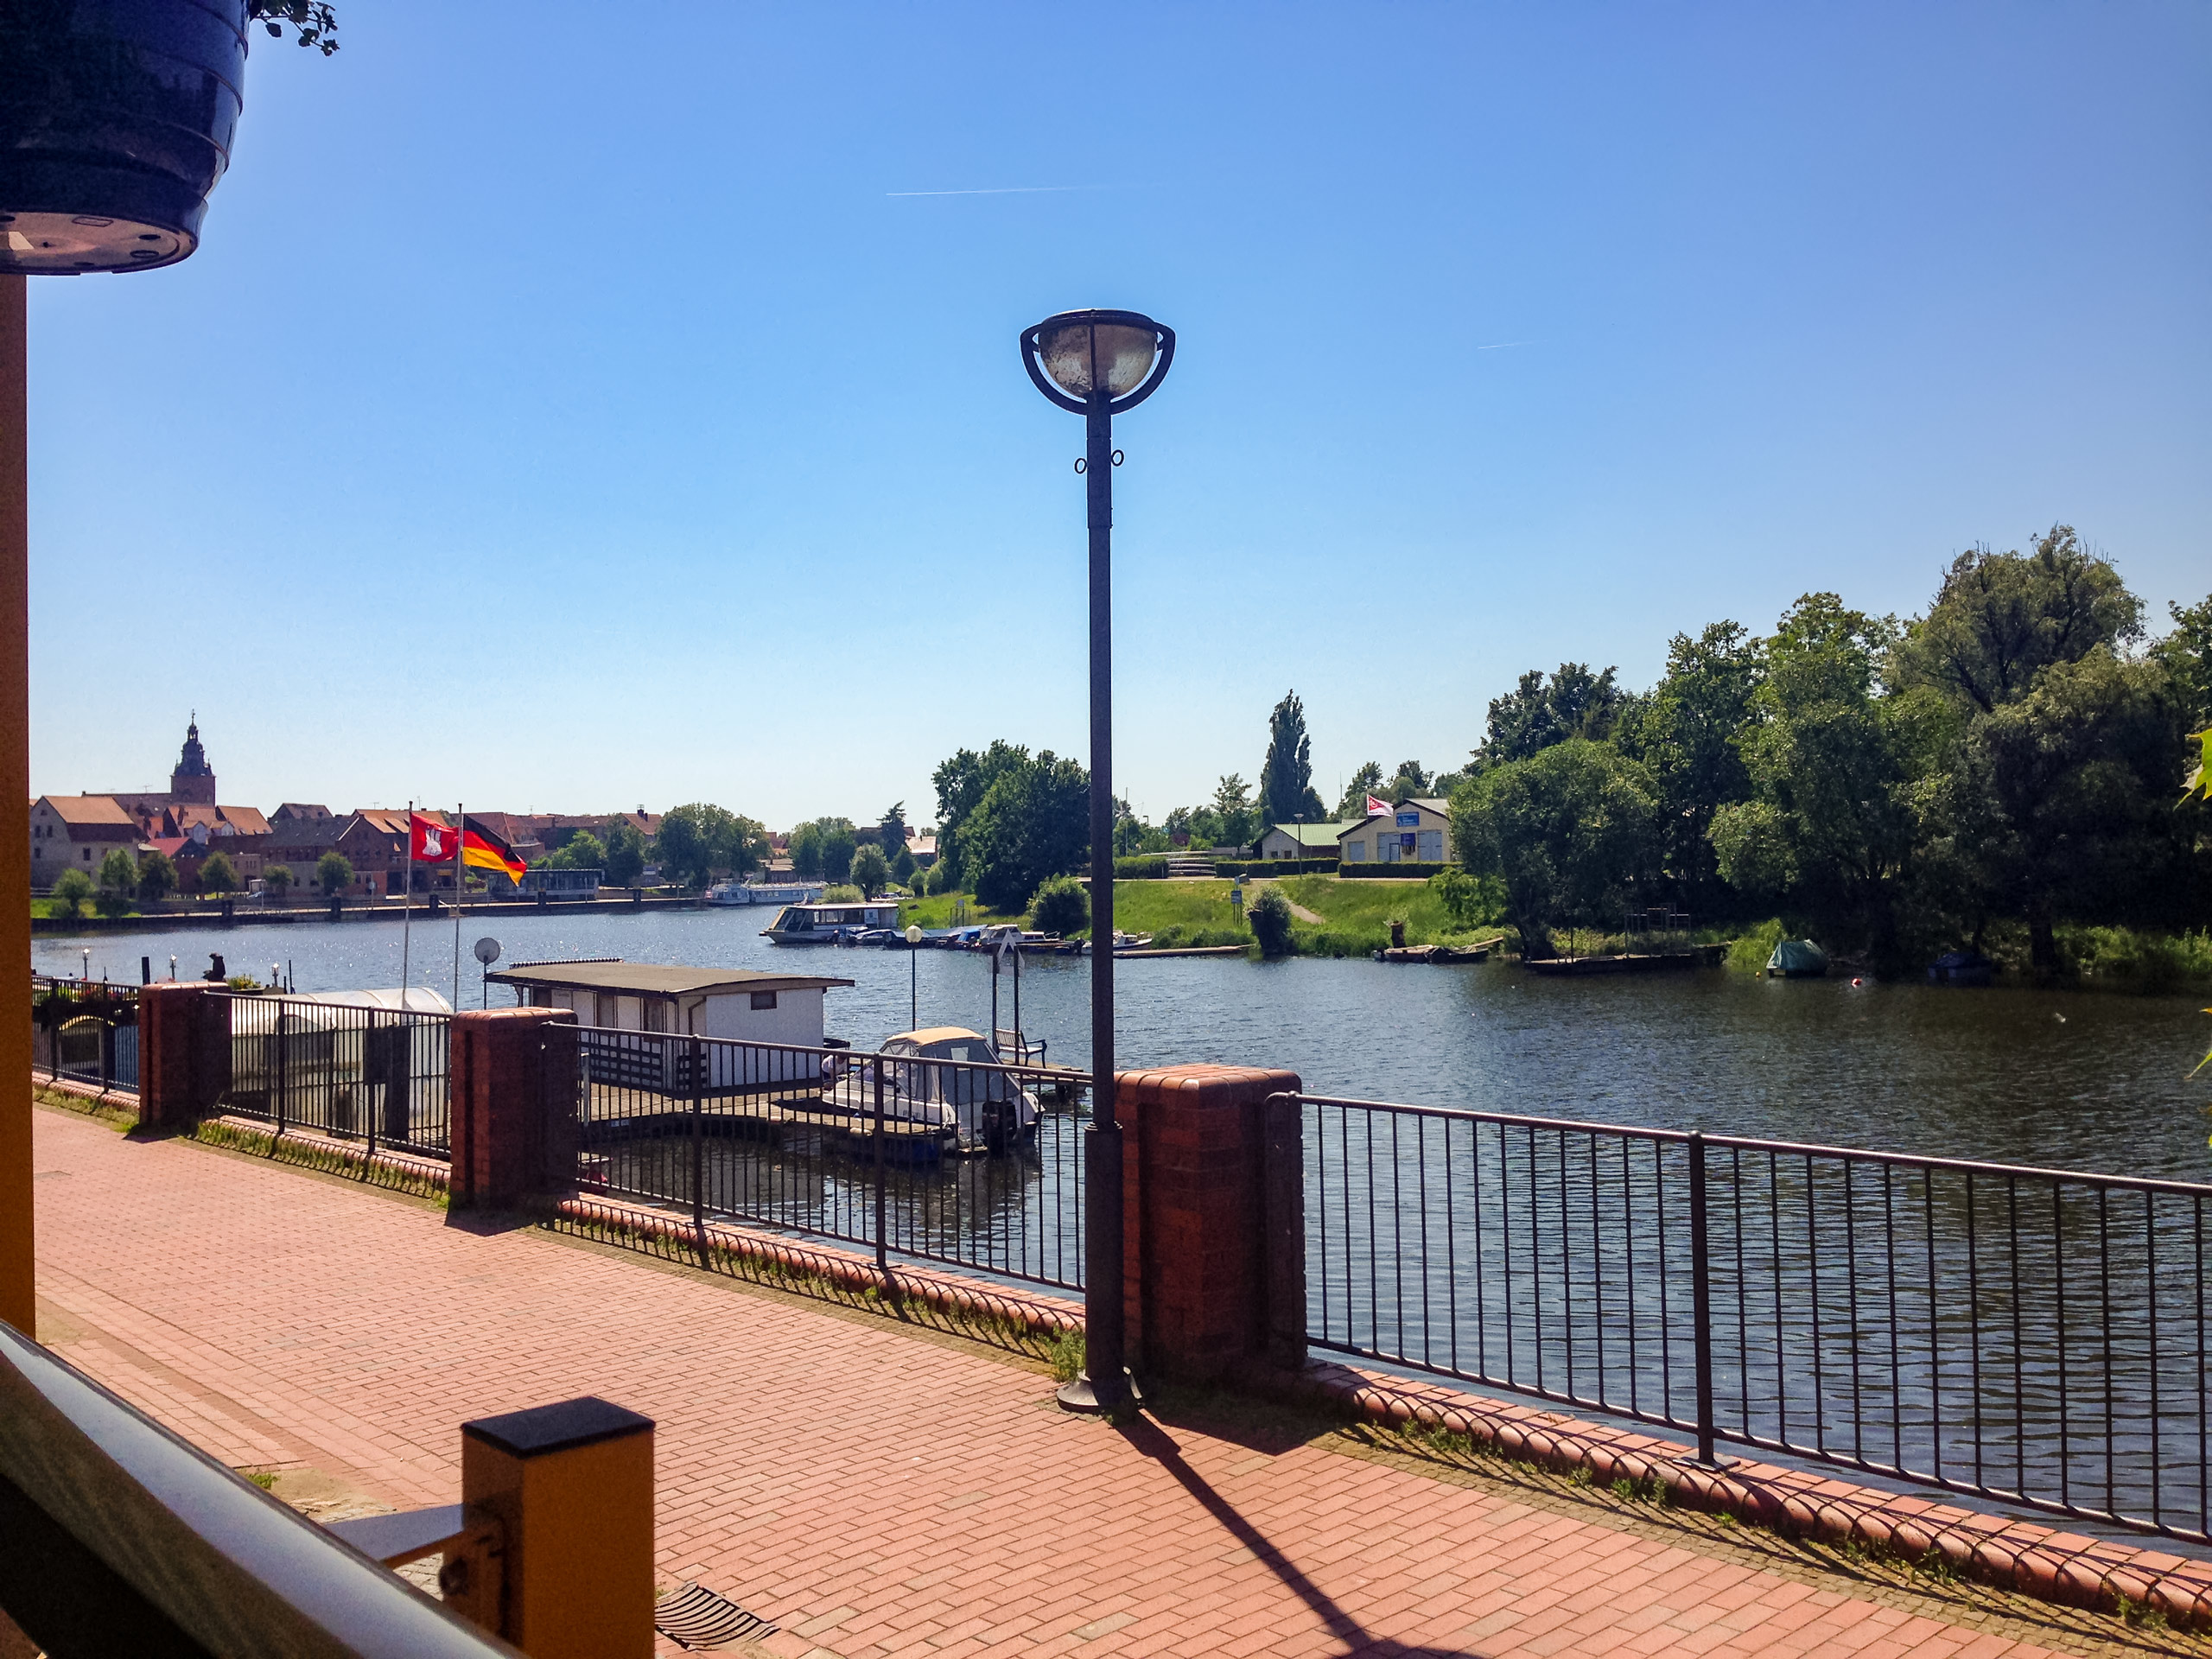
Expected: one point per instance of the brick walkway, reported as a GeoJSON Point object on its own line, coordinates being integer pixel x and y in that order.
{"type": "Point", "coordinates": [873, 1492]}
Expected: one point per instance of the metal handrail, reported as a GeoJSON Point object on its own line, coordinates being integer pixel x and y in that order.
{"type": "Point", "coordinates": [121, 1537]}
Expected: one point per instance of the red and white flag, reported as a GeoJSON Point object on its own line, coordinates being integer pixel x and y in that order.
{"type": "Point", "coordinates": [432, 842]}
{"type": "Point", "coordinates": [1375, 806]}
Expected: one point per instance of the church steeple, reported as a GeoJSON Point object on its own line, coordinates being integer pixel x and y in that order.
{"type": "Point", "coordinates": [193, 781]}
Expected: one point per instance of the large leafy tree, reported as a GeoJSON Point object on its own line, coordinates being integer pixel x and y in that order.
{"type": "Point", "coordinates": [1033, 821]}
{"type": "Point", "coordinates": [1565, 831]}
{"type": "Point", "coordinates": [334, 873]}
{"type": "Point", "coordinates": [1833, 821]}
{"type": "Point", "coordinates": [156, 876]}
{"type": "Point", "coordinates": [699, 839]}
{"type": "Point", "coordinates": [626, 853]}
{"type": "Point", "coordinates": [118, 876]}
{"type": "Point", "coordinates": [1544, 709]}
{"type": "Point", "coordinates": [1685, 731]}
{"type": "Point", "coordinates": [871, 871]}
{"type": "Point", "coordinates": [1234, 821]}
{"type": "Point", "coordinates": [2001, 618]}
{"type": "Point", "coordinates": [2186, 655]}
{"type": "Point", "coordinates": [1407, 782]}
{"type": "Point", "coordinates": [1287, 775]}
{"type": "Point", "coordinates": [962, 782]}
{"type": "Point", "coordinates": [822, 850]}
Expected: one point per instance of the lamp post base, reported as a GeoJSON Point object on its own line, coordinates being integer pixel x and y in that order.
{"type": "Point", "coordinates": [1082, 1395]}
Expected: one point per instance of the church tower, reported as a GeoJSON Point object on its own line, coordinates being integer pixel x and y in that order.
{"type": "Point", "coordinates": [192, 783]}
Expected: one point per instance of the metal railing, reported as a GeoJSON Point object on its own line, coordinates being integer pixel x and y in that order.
{"type": "Point", "coordinates": [967, 1164]}
{"type": "Point", "coordinates": [124, 1538]}
{"type": "Point", "coordinates": [87, 1030]}
{"type": "Point", "coordinates": [372, 1074]}
{"type": "Point", "coordinates": [2033, 1337]}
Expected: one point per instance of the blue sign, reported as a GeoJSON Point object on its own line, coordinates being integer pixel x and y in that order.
{"type": "Point", "coordinates": [1408, 820]}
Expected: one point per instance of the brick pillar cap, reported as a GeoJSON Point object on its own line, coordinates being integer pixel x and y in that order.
{"type": "Point", "coordinates": [1238, 1081]}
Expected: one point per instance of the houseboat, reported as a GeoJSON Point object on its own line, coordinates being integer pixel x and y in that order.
{"type": "Point", "coordinates": [764, 893]}
{"type": "Point", "coordinates": [648, 996]}
{"type": "Point", "coordinates": [819, 923]}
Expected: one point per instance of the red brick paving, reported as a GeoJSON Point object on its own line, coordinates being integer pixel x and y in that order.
{"type": "Point", "coordinates": [875, 1494]}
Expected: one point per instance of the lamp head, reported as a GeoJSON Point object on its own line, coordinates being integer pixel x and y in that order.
{"type": "Point", "coordinates": [1078, 357]}
{"type": "Point", "coordinates": [913, 934]}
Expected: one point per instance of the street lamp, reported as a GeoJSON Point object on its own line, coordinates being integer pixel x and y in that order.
{"type": "Point", "coordinates": [913, 981]}
{"type": "Point", "coordinates": [1096, 363]}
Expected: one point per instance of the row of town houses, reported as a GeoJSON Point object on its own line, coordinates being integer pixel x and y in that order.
{"type": "Point", "coordinates": [189, 822]}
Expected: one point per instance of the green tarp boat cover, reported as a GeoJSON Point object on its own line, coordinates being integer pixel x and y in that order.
{"type": "Point", "coordinates": [1798, 957]}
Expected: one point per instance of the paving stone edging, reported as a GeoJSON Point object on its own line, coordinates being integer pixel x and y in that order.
{"type": "Point", "coordinates": [2067, 1568]}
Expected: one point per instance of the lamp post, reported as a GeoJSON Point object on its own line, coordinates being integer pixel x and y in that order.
{"type": "Point", "coordinates": [913, 978]}
{"type": "Point", "coordinates": [1096, 364]}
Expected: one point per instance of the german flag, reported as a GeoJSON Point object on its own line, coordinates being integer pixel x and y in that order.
{"type": "Point", "coordinates": [481, 849]}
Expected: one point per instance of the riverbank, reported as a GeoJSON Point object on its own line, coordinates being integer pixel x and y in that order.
{"type": "Point", "coordinates": [243, 914]}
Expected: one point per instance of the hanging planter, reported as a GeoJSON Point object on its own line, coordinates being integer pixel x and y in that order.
{"type": "Point", "coordinates": [116, 121]}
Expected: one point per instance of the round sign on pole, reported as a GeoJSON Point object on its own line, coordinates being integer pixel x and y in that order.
{"type": "Point", "coordinates": [487, 950]}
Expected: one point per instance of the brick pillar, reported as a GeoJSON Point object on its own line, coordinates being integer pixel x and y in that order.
{"type": "Point", "coordinates": [184, 1052]}
{"type": "Point", "coordinates": [512, 1092]}
{"type": "Point", "coordinates": [1214, 1249]}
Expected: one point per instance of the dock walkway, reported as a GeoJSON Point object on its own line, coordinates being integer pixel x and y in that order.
{"type": "Point", "coordinates": [873, 1491]}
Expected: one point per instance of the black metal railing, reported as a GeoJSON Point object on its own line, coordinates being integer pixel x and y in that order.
{"type": "Point", "coordinates": [359, 1072]}
{"type": "Point", "coordinates": [2033, 1337]}
{"type": "Point", "coordinates": [85, 1030]}
{"type": "Point", "coordinates": [964, 1163]}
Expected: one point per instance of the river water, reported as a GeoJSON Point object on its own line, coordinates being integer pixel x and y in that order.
{"type": "Point", "coordinates": [2075, 1080]}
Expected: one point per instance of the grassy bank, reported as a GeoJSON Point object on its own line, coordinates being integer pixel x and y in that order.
{"type": "Point", "coordinates": [1356, 916]}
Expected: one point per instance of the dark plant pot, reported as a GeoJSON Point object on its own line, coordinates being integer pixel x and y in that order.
{"type": "Point", "coordinates": [116, 120]}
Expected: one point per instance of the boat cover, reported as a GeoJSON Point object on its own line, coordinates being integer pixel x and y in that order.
{"type": "Point", "coordinates": [1798, 957]}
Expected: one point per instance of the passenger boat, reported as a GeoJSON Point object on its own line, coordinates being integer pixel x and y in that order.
{"type": "Point", "coordinates": [764, 893]}
{"type": "Point", "coordinates": [816, 924]}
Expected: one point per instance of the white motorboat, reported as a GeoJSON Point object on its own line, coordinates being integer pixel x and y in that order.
{"type": "Point", "coordinates": [764, 893]}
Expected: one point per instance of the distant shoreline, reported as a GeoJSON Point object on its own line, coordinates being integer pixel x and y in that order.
{"type": "Point", "coordinates": [259, 915]}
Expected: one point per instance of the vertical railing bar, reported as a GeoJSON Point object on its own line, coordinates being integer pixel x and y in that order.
{"type": "Point", "coordinates": [1421, 1186]}
{"type": "Point", "coordinates": [2104, 1311]}
{"type": "Point", "coordinates": [1850, 1305]}
{"type": "Point", "coordinates": [1935, 1346]}
{"type": "Point", "coordinates": [1451, 1251]}
{"type": "Point", "coordinates": [1812, 1268]}
{"type": "Point", "coordinates": [882, 1244]}
{"type": "Point", "coordinates": [2019, 1366]}
{"type": "Point", "coordinates": [1482, 1295]}
{"type": "Point", "coordinates": [1400, 1347]}
{"type": "Point", "coordinates": [1565, 1259]}
{"type": "Point", "coordinates": [1700, 1300]}
{"type": "Point", "coordinates": [1628, 1246]}
{"type": "Point", "coordinates": [2152, 1322]}
{"type": "Point", "coordinates": [1974, 1318]}
{"type": "Point", "coordinates": [1741, 1289]}
{"type": "Point", "coordinates": [2058, 1280]}
{"type": "Point", "coordinates": [2203, 1444]}
{"type": "Point", "coordinates": [1321, 1205]}
{"type": "Point", "coordinates": [1505, 1240]}
{"type": "Point", "coordinates": [1897, 1367]}
{"type": "Point", "coordinates": [1536, 1255]}
{"type": "Point", "coordinates": [1666, 1286]}
{"type": "Point", "coordinates": [1597, 1270]}
{"type": "Point", "coordinates": [1774, 1264]}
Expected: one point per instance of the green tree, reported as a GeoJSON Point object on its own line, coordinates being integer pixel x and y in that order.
{"type": "Point", "coordinates": [277, 879]}
{"type": "Point", "coordinates": [1175, 826]}
{"type": "Point", "coordinates": [581, 851]}
{"type": "Point", "coordinates": [626, 853]}
{"type": "Point", "coordinates": [699, 839]}
{"type": "Point", "coordinates": [1686, 731]}
{"type": "Point", "coordinates": [891, 829]}
{"type": "Point", "coordinates": [71, 889]}
{"type": "Point", "coordinates": [1367, 781]}
{"type": "Point", "coordinates": [962, 782]}
{"type": "Point", "coordinates": [2001, 618]}
{"type": "Point", "coordinates": [1564, 830]}
{"type": "Point", "coordinates": [902, 865]}
{"type": "Point", "coordinates": [156, 877]}
{"type": "Point", "coordinates": [334, 873]}
{"type": "Point", "coordinates": [217, 874]}
{"type": "Point", "coordinates": [1269, 916]}
{"type": "Point", "coordinates": [1406, 783]}
{"type": "Point", "coordinates": [2186, 655]}
{"type": "Point", "coordinates": [118, 876]}
{"type": "Point", "coordinates": [1541, 710]}
{"type": "Point", "coordinates": [1232, 810]}
{"type": "Point", "coordinates": [822, 850]}
{"type": "Point", "coordinates": [1033, 821]}
{"type": "Point", "coordinates": [1287, 775]}
{"type": "Point", "coordinates": [1062, 905]}
{"type": "Point", "coordinates": [1837, 771]}
{"type": "Point", "coordinates": [870, 871]}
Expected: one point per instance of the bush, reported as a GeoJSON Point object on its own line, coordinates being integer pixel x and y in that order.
{"type": "Point", "coordinates": [218, 874]}
{"type": "Point", "coordinates": [1143, 867]}
{"type": "Point", "coordinates": [71, 889]}
{"type": "Point", "coordinates": [1405, 870]}
{"type": "Point", "coordinates": [2137, 961]}
{"type": "Point", "coordinates": [156, 877]}
{"type": "Point", "coordinates": [334, 873]}
{"type": "Point", "coordinates": [1269, 916]}
{"type": "Point", "coordinates": [1235, 867]}
{"type": "Point", "coordinates": [870, 870]}
{"type": "Point", "coordinates": [1061, 906]}
{"type": "Point", "coordinates": [1751, 950]}
{"type": "Point", "coordinates": [841, 892]}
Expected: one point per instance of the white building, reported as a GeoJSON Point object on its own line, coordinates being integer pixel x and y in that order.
{"type": "Point", "coordinates": [734, 1002]}
{"type": "Point", "coordinates": [1415, 831]}
{"type": "Point", "coordinates": [1301, 841]}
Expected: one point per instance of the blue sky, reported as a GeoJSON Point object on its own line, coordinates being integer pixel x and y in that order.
{"type": "Point", "coordinates": [566, 416]}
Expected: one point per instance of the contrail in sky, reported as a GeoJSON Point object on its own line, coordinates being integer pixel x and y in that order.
{"type": "Point", "coordinates": [1503, 344]}
{"type": "Point", "coordinates": [1002, 190]}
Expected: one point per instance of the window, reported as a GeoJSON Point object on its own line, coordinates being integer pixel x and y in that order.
{"type": "Point", "coordinates": [655, 1014]}
{"type": "Point", "coordinates": [607, 1009]}
{"type": "Point", "coordinates": [1432, 846]}
{"type": "Point", "coordinates": [764, 999]}
{"type": "Point", "coordinates": [1355, 852]}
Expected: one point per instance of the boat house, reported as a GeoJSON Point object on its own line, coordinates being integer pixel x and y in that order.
{"type": "Point", "coordinates": [734, 1003]}
{"type": "Point", "coordinates": [1415, 831]}
{"type": "Point", "coordinates": [1302, 841]}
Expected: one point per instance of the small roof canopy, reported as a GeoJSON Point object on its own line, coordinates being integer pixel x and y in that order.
{"type": "Point", "coordinates": [935, 1035]}
{"type": "Point", "coordinates": [656, 979]}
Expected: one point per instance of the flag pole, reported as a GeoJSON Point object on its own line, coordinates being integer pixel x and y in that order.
{"type": "Point", "coordinates": [407, 910]}
{"type": "Point", "coordinates": [460, 891]}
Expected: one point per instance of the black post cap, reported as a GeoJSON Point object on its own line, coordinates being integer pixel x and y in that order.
{"type": "Point", "coordinates": [559, 1427]}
